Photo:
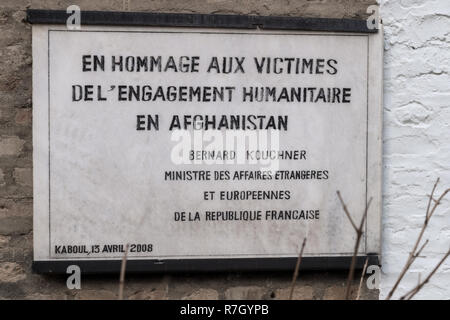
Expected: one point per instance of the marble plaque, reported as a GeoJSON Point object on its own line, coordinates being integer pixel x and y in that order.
{"type": "Point", "coordinates": [209, 144]}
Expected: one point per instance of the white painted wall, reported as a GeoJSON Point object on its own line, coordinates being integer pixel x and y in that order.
{"type": "Point", "coordinates": [416, 139]}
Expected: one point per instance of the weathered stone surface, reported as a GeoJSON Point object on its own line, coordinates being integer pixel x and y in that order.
{"type": "Point", "coordinates": [15, 207]}
{"type": "Point", "coordinates": [337, 292]}
{"type": "Point", "coordinates": [39, 296]}
{"type": "Point", "coordinates": [23, 176]}
{"type": "Point", "coordinates": [202, 294]}
{"type": "Point", "coordinates": [245, 293]}
{"type": "Point", "coordinates": [19, 16]}
{"type": "Point", "coordinates": [23, 117]}
{"type": "Point", "coordinates": [4, 241]}
{"type": "Point", "coordinates": [15, 225]}
{"type": "Point", "coordinates": [95, 295]}
{"type": "Point", "coordinates": [2, 178]}
{"type": "Point", "coordinates": [157, 294]}
{"type": "Point", "coordinates": [11, 272]}
{"type": "Point", "coordinates": [10, 145]}
{"type": "Point", "coordinates": [300, 293]}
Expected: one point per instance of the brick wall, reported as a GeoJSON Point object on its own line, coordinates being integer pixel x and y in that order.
{"type": "Point", "coordinates": [16, 278]}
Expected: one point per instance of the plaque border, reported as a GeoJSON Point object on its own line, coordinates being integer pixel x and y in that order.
{"type": "Point", "coordinates": [156, 19]}
{"type": "Point", "coordinates": [204, 265]}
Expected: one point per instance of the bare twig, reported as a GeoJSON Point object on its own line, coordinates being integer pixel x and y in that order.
{"type": "Point", "coordinates": [344, 206]}
{"type": "Point", "coordinates": [362, 278]}
{"type": "Point", "coordinates": [415, 252]}
{"type": "Point", "coordinates": [420, 250]}
{"type": "Point", "coordinates": [297, 267]}
{"type": "Point", "coordinates": [416, 289]}
{"type": "Point", "coordinates": [359, 233]}
{"type": "Point", "coordinates": [122, 272]}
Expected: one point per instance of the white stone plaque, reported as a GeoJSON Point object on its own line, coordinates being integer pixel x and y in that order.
{"type": "Point", "coordinates": [204, 144]}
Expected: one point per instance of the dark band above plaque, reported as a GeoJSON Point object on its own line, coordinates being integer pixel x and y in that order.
{"type": "Point", "coordinates": [204, 148]}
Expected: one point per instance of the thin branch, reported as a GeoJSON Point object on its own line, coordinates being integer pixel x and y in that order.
{"type": "Point", "coordinates": [122, 272]}
{"type": "Point", "coordinates": [420, 250]}
{"type": "Point", "coordinates": [434, 200]}
{"type": "Point", "coordinates": [437, 203]}
{"type": "Point", "coordinates": [297, 267]}
{"type": "Point", "coordinates": [416, 289]}
{"type": "Point", "coordinates": [359, 233]}
{"type": "Point", "coordinates": [362, 278]}
{"type": "Point", "coordinates": [414, 252]}
{"type": "Point", "coordinates": [414, 256]}
{"type": "Point", "coordinates": [346, 211]}
{"type": "Point", "coordinates": [431, 197]}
